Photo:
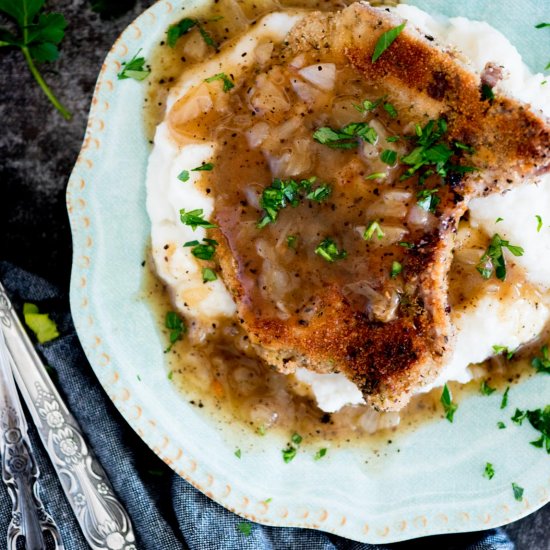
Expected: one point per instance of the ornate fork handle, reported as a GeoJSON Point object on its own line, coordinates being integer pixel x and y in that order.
{"type": "Point", "coordinates": [103, 520]}
{"type": "Point", "coordinates": [19, 470]}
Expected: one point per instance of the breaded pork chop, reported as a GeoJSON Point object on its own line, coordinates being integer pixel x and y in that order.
{"type": "Point", "coordinates": [357, 283]}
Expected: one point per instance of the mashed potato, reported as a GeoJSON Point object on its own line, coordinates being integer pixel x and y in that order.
{"type": "Point", "coordinates": [505, 319]}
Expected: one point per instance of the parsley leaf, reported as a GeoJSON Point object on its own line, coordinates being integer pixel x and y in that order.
{"type": "Point", "coordinates": [504, 350]}
{"type": "Point", "coordinates": [371, 229]}
{"type": "Point", "coordinates": [504, 402]}
{"type": "Point", "coordinates": [519, 417]}
{"type": "Point", "coordinates": [134, 69]}
{"type": "Point", "coordinates": [208, 275]}
{"type": "Point", "coordinates": [291, 241]}
{"type": "Point", "coordinates": [203, 251]}
{"type": "Point", "coordinates": [347, 137]}
{"type": "Point", "coordinates": [501, 425]}
{"type": "Point", "coordinates": [489, 472]}
{"type": "Point", "coordinates": [542, 364]}
{"type": "Point", "coordinates": [542, 25]}
{"type": "Point", "coordinates": [206, 167]}
{"type": "Point", "coordinates": [175, 324]}
{"type": "Point", "coordinates": [184, 175]}
{"type": "Point", "coordinates": [368, 105]}
{"type": "Point", "coordinates": [447, 401]}
{"type": "Point", "coordinates": [518, 492]}
{"type": "Point", "coordinates": [396, 269]}
{"type": "Point", "coordinates": [388, 156]}
{"type": "Point", "coordinates": [487, 93]}
{"type": "Point", "coordinates": [390, 109]}
{"type": "Point", "coordinates": [296, 438]}
{"type": "Point", "coordinates": [485, 389]}
{"type": "Point", "coordinates": [376, 176]}
{"type": "Point", "coordinates": [428, 199]}
{"type": "Point", "coordinates": [38, 37]}
{"type": "Point", "coordinates": [540, 420]}
{"type": "Point", "coordinates": [493, 258]}
{"type": "Point", "coordinates": [386, 40]}
{"type": "Point", "coordinates": [40, 323]}
{"type": "Point", "coordinates": [539, 223]}
{"type": "Point", "coordinates": [289, 453]}
{"type": "Point", "coordinates": [238, 453]}
{"type": "Point", "coordinates": [245, 528]}
{"type": "Point", "coordinates": [177, 30]}
{"type": "Point", "coordinates": [194, 219]}
{"type": "Point", "coordinates": [227, 82]}
{"type": "Point", "coordinates": [282, 193]}
{"type": "Point", "coordinates": [328, 250]}
{"type": "Point", "coordinates": [320, 454]}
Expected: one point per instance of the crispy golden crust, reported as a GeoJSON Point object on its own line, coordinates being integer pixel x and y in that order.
{"type": "Point", "coordinates": [390, 360]}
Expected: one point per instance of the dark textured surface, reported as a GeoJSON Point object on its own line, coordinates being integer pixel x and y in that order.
{"type": "Point", "coordinates": [38, 149]}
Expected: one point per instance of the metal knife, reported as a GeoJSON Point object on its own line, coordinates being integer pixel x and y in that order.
{"type": "Point", "coordinates": [102, 518]}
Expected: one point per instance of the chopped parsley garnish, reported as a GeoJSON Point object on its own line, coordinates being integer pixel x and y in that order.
{"type": "Point", "coordinates": [38, 37]}
{"type": "Point", "coordinates": [174, 323]}
{"type": "Point", "coordinates": [282, 193]}
{"type": "Point", "coordinates": [296, 438]}
{"type": "Point", "coordinates": [392, 139]}
{"type": "Point", "coordinates": [485, 389]}
{"type": "Point", "coordinates": [238, 453]}
{"type": "Point", "coordinates": [227, 82]}
{"type": "Point", "coordinates": [390, 109]}
{"type": "Point", "coordinates": [389, 157]}
{"type": "Point", "coordinates": [493, 258]}
{"type": "Point", "coordinates": [368, 105]}
{"type": "Point", "coordinates": [501, 425]}
{"type": "Point", "coordinates": [206, 167]}
{"type": "Point", "coordinates": [406, 245]}
{"type": "Point", "coordinates": [267, 500]}
{"type": "Point", "coordinates": [291, 241]}
{"type": "Point", "coordinates": [386, 40]}
{"type": "Point", "coordinates": [487, 93]}
{"type": "Point", "coordinates": [396, 269]}
{"type": "Point", "coordinates": [374, 227]}
{"type": "Point", "coordinates": [194, 219]}
{"type": "Point", "coordinates": [447, 401]}
{"type": "Point", "coordinates": [430, 155]}
{"type": "Point", "coordinates": [245, 528]}
{"type": "Point", "coordinates": [320, 454]}
{"type": "Point", "coordinates": [170, 375]}
{"type": "Point", "coordinates": [203, 251]}
{"type": "Point", "coordinates": [320, 193]}
{"type": "Point", "coordinates": [376, 176]}
{"type": "Point", "coordinates": [489, 472]}
{"type": "Point", "coordinates": [499, 219]}
{"type": "Point", "coordinates": [504, 402]}
{"type": "Point", "coordinates": [184, 176]}
{"type": "Point", "coordinates": [262, 430]}
{"type": "Point", "coordinates": [40, 323]}
{"type": "Point", "coordinates": [542, 25]}
{"type": "Point", "coordinates": [542, 363]}
{"type": "Point", "coordinates": [519, 417]}
{"type": "Point", "coordinates": [289, 453]}
{"type": "Point", "coordinates": [347, 137]}
{"type": "Point", "coordinates": [539, 223]}
{"type": "Point", "coordinates": [208, 275]}
{"type": "Point", "coordinates": [518, 492]}
{"type": "Point", "coordinates": [328, 250]}
{"type": "Point", "coordinates": [178, 30]}
{"type": "Point", "coordinates": [428, 199]}
{"type": "Point", "coordinates": [540, 420]}
{"type": "Point", "coordinates": [504, 350]}
{"type": "Point", "coordinates": [134, 69]}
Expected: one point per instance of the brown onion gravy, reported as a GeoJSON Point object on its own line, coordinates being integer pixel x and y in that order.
{"type": "Point", "coordinates": [223, 376]}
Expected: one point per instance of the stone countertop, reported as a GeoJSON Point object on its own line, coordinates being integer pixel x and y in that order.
{"type": "Point", "coordinates": [38, 149]}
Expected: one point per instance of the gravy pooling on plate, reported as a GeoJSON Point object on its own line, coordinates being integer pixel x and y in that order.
{"type": "Point", "coordinates": [235, 375]}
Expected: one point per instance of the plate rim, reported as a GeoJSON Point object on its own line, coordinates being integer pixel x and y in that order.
{"type": "Point", "coordinates": [99, 355]}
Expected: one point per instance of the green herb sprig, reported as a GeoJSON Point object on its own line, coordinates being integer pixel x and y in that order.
{"type": "Point", "coordinates": [493, 260]}
{"type": "Point", "coordinates": [176, 326]}
{"type": "Point", "coordinates": [329, 250]}
{"type": "Point", "coordinates": [134, 69]}
{"type": "Point", "coordinates": [447, 401]}
{"type": "Point", "coordinates": [347, 137]}
{"type": "Point", "coordinates": [386, 40]}
{"type": "Point", "coordinates": [542, 363]}
{"type": "Point", "coordinates": [176, 31]}
{"type": "Point", "coordinates": [38, 37]}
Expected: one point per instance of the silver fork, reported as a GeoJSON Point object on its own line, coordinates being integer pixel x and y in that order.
{"type": "Point", "coordinates": [19, 470]}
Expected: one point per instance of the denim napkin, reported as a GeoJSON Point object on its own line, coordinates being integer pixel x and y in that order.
{"type": "Point", "coordinates": [167, 512]}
